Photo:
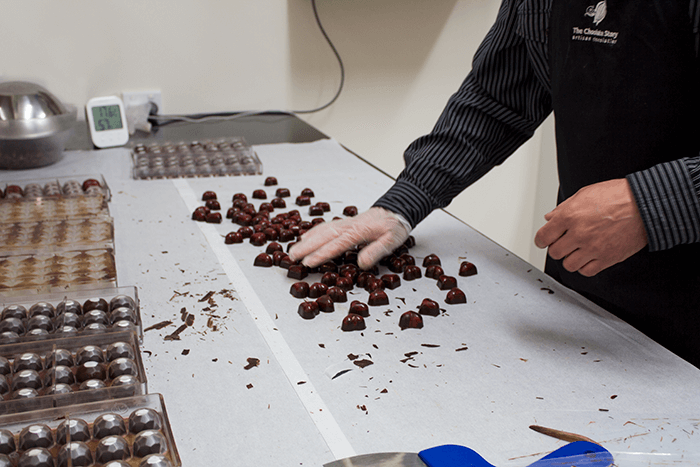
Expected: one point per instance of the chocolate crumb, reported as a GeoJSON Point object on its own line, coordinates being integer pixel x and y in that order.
{"type": "Point", "coordinates": [323, 346]}
{"type": "Point", "coordinates": [352, 356]}
{"type": "Point", "coordinates": [183, 314]}
{"type": "Point", "coordinates": [249, 386]}
{"type": "Point", "coordinates": [214, 359]}
{"type": "Point", "coordinates": [384, 391]}
{"type": "Point", "coordinates": [185, 351]}
{"type": "Point", "coordinates": [252, 362]}
{"type": "Point", "coordinates": [614, 396]}
{"type": "Point", "coordinates": [190, 319]}
{"type": "Point", "coordinates": [363, 363]}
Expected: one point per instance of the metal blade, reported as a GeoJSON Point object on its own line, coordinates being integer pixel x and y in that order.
{"type": "Point", "coordinates": [384, 459]}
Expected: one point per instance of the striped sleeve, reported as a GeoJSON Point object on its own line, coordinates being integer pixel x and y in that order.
{"type": "Point", "coordinates": [668, 198]}
{"type": "Point", "coordinates": [497, 108]}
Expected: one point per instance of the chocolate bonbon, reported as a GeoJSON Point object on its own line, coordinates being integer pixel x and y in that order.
{"type": "Point", "coordinates": [429, 307]}
{"type": "Point", "coordinates": [411, 319]}
{"type": "Point", "coordinates": [467, 269]}
{"type": "Point", "coordinates": [455, 296]}
{"type": "Point", "coordinates": [353, 322]}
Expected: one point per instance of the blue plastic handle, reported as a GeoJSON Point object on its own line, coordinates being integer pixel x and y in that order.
{"type": "Point", "coordinates": [576, 454]}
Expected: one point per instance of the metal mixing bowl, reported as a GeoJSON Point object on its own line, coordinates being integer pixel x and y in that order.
{"type": "Point", "coordinates": [34, 126]}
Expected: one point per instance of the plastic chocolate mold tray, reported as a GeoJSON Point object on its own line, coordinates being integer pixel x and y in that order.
{"type": "Point", "coordinates": [45, 316]}
{"type": "Point", "coordinates": [74, 185]}
{"type": "Point", "coordinates": [227, 156]}
{"type": "Point", "coordinates": [57, 372]}
{"type": "Point", "coordinates": [134, 431]}
{"type": "Point", "coordinates": [56, 235]}
{"type": "Point", "coordinates": [39, 209]}
{"type": "Point", "coordinates": [55, 272]}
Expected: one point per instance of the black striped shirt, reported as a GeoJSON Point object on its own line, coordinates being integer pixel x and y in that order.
{"type": "Point", "coordinates": [505, 97]}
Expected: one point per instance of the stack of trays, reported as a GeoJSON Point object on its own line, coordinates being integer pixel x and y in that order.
{"type": "Point", "coordinates": [56, 235]}
{"type": "Point", "coordinates": [73, 389]}
{"type": "Point", "coordinates": [226, 156]}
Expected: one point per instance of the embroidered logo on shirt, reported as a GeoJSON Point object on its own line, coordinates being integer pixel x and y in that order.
{"type": "Point", "coordinates": [597, 12]}
{"type": "Point", "coordinates": [593, 34]}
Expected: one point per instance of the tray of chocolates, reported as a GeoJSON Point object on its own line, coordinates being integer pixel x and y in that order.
{"type": "Point", "coordinates": [56, 272]}
{"type": "Point", "coordinates": [55, 235]}
{"type": "Point", "coordinates": [72, 186]}
{"type": "Point", "coordinates": [39, 209]}
{"type": "Point", "coordinates": [70, 370]}
{"type": "Point", "coordinates": [129, 432]}
{"type": "Point", "coordinates": [75, 313]}
{"type": "Point", "coordinates": [226, 156]}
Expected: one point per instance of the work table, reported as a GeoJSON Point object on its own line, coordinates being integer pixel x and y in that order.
{"type": "Point", "coordinates": [523, 350]}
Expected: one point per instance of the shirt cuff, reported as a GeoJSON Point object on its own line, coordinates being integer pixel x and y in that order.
{"type": "Point", "coordinates": [667, 199]}
{"type": "Point", "coordinates": [407, 200]}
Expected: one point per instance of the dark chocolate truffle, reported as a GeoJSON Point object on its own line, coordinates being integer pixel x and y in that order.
{"type": "Point", "coordinates": [378, 298]}
{"type": "Point", "coordinates": [434, 271]}
{"type": "Point", "coordinates": [308, 310]}
{"type": "Point", "coordinates": [315, 211]}
{"type": "Point", "coordinates": [278, 203]}
{"type": "Point", "coordinates": [259, 194]}
{"type": "Point", "coordinates": [213, 205]}
{"type": "Point", "coordinates": [455, 296]}
{"type": "Point", "coordinates": [359, 308]}
{"type": "Point", "coordinates": [411, 273]}
{"type": "Point", "coordinates": [467, 269]}
{"type": "Point", "coordinates": [282, 193]}
{"type": "Point", "coordinates": [233, 237]}
{"type": "Point", "coordinates": [350, 211]}
{"type": "Point", "coordinates": [429, 307]}
{"type": "Point", "coordinates": [329, 278]}
{"type": "Point", "coordinates": [299, 289]}
{"type": "Point", "coordinates": [296, 271]}
{"type": "Point", "coordinates": [270, 181]}
{"type": "Point", "coordinates": [430, 260]}
{"type": "Point", "coordinates": [258, 239]}
{"type": "Point", "coordinates": [325, 304]}
{"type": "Point", "coordinates": [317, 289]}
{"type": "Point", "coordinates": [263, 260]}
{"type": "Point", "coordinates": [214, 218]}
{"type": "Point", "coordinates": [272, 247]}
{"type": "Point", "coordinates": [337, 294]}
{"type": "Point", "coordinates": [303, 201]}
{"type": "Point", "coordinates": [411, 319]}
{"type": "Point", "coordinates": [207, 195]}
{"type": "Point", "coordinates": [391, 281]}
{"type": "Point", "coordinates": [353, 322]}
{"type": "Point", "coordinates": [445, 282]}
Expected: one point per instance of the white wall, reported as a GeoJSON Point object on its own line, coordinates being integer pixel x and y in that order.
{"type": "Point", "coordinates": [403, 59]}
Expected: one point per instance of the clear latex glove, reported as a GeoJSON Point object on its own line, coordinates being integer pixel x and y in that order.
{"type": "Point", "coordinates": [383, 231]}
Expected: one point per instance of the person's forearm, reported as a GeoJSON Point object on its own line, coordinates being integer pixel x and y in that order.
{"type": "Point", "coordinates": [667, 196]}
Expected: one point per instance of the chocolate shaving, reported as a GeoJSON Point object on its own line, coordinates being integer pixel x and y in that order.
{"type": "Point", "coordinates": [301, 382]}
{"type": "Point", "coordinates": [461, 348]}
{"type": "Point", "coordinates": [402, 299]}
{"type": "Point", "coordinates": [352, 356]}
{"type": "Point", "coordinates": [183, 314]}
{"type": "Point", "coordinates": [207, 296]}
{"type": "Point", "coordinates": [252, 362]}
{"type": "Point", "coordinates": [189, 321]}
{"type": "Point", "coordinates": [411, 354]}
{"type": "Point", "coordinates": [430, 345]}
{"type": "Point", "coordinates": [549, 291]}
{"type": "Point", "coordinates": [160, 325]}
{"type": "Point", "coordinates": [363, 363]}
{"type": "Point", "coordinates": [175, 336]}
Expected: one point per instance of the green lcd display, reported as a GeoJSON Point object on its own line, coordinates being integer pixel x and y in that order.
{"type": "Point", "coordinates": [107, 117]}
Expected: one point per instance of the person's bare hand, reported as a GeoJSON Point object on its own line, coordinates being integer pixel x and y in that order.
{"type": "Point", "coordinates": [596, 228]}
{"type": "Point", "coordinates": [382, 231]}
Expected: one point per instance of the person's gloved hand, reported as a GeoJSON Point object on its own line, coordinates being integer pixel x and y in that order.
{"type": "Point", "coordinates": [383, 231]}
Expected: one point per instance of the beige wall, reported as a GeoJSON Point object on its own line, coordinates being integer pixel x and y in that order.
{"type": "Point", "coordinates": [403, 59]}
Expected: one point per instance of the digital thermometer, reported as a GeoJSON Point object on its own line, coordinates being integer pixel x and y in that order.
{"type": "Point", "coordinates": [107, 121]}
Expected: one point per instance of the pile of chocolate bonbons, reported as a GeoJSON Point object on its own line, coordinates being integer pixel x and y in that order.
{"type": "Point", "coordinates": [265, 226]}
